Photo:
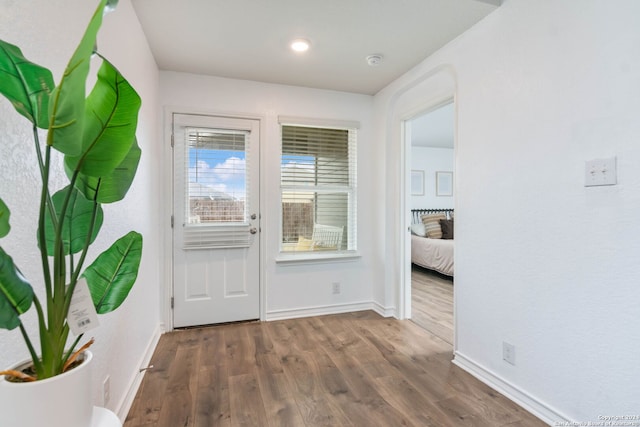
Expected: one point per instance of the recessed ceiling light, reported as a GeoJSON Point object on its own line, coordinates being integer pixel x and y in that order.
{"type": "Point", "coordinates": [300, 45]}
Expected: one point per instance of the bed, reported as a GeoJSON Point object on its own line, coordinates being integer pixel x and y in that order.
{"type": "Point", "coordinates": [434, 253]}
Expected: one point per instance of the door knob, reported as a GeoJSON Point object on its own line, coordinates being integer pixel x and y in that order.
{"type": "Point", "coordinates": [253, 216]}
{"type": "Point", "coordinates": [253, 230]}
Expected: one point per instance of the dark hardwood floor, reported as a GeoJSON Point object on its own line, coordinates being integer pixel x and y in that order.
{"type": "Point", "coordinates": [356, 369]}
{"type": "Point", "coordinates": [432, 302]}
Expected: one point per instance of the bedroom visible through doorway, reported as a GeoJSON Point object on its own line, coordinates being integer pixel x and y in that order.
{"type": "Point", "coordinates": [432, 200]}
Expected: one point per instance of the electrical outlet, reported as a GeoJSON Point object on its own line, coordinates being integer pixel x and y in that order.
{"type": "Point", "coordinates": [335, 288]}
{"type": "Point", "coordinates": [508, 353]}
{"type": "Point", "coordinates": [600, 172]}
{"type": "Point", "coordinates": [106, 390]}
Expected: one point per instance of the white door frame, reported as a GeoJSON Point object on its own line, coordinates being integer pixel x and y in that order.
{"type": "Point", "coordinates": [406, 139]}
{"type": "Point", "coordinates": [166, 188]}
{"type": "Point", "coordinates": [426, 91]}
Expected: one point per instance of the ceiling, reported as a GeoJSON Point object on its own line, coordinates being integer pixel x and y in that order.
{"type": "Point", "coordinates": [249, 39]}
{"type": "Point", "coordinates": [434, 129]}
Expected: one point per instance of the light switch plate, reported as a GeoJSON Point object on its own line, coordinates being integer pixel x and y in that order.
{"type": "Point", "coordinates": [600, 172]}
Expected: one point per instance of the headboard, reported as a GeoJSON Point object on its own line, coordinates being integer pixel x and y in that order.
{"type": "Point", "coordinates": [416, 214]}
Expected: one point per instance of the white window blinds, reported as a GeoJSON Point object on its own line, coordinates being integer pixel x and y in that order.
{"type": "Point", "coordinates": [217, 186]}
{"type": "Point", "coordinates": [318, 184]}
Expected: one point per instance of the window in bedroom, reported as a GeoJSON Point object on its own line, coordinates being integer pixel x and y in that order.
{"type": "Point", "coordinates": [318, 188]}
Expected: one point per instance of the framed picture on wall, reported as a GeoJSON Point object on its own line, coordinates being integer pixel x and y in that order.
{"type": "Point", "coordinates": [444, 184]}
{"type": "Point", "coordinates": [417, 183]}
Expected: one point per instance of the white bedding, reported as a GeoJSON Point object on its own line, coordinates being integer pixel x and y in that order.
{"type": "Point", "coordinates": [435, 254]}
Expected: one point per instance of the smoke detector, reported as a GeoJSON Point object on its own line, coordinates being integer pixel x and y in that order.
{"type": "Point", "coordinates": [374, 60]}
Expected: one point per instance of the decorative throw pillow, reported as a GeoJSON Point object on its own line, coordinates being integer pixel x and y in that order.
{"type": "Point", "coordinates": [432, 225]}
{"type": "Point", "coordinates": [418, 230]}
{"type": "Point", "coordinates": [304, 244]}
{"type": "Point", "coordinates": [447, 228]}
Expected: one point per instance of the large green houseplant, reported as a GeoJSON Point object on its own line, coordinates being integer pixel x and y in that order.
{"type": "Point", "coordinates": [96, 135]}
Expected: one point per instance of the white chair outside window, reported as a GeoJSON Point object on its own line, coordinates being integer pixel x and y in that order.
{"type": "Point", "coordinates": [326, 237]}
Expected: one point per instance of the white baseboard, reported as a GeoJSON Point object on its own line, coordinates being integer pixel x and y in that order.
{"type": "Point", "coordinates": [384, 311]}
{"type": "Point", "coordinates": [134, 383]}
{"type": "Point", "coordinates": [319, 311]}
{"type": "Point", "coordinates": [541, 410]}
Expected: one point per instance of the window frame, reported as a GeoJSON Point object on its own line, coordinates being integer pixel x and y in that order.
{"type": "Point", "coordinates": [350, 190]}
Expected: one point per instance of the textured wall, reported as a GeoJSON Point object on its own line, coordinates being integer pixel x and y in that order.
{"type": "Point", "coordinates": [48, 33]}
{"type": "Point", "coordinates": [541, 261]}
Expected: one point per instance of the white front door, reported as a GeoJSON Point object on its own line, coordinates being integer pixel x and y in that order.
{"type": "Point", "coordinates": [216, 230]}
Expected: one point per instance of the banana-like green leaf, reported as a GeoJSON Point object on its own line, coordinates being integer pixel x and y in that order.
{"type": "Point", "coordinates": [66, 108]}
{"type": "Point", "coordinates": [114, 272]}
{"type": "Point", "coordinates": [26, 85]}
{"type": "Point", "coordinates": [113, 187]}
{"type": "Point", "coordinates": [109, 126]}
{"type": "Point", "coordinates": [4, 219]}
{"type": "Point", "coordinates": [76, 222]}
{"type": "Point", "coordinates": [111, 5]}
{"type": "Point", "coordinates": [16, 294]}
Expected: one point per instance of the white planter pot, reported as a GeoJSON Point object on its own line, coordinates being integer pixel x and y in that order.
{"type": "Point", "coordinates": [61, 401]}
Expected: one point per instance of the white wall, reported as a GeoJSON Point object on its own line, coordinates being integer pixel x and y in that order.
{"type": "Point", "coordinates": [48, 33]}
{"type": "Point", "coordinates": [541, 261]}
{"type": "Point", "coordinates": [294, 290]}
{"type": "Point", "coordinates": [431, 160]}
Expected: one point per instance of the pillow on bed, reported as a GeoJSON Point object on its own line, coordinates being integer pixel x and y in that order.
{"type": "Point", "coordinates": [418, 230]}
{"type": "Point", "coordinates": [432, 225]}
{"type": "Point", "coordinates": [447, 228]}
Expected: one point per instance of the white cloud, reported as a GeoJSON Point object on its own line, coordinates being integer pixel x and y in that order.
{"type": "Point", "coordinates": [225, 177]}
{"type": "Point", "coordinates": [232, 168]}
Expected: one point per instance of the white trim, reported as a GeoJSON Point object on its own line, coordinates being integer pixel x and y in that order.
{"type": "Point", "coordinates": [396, 118]}
{"type": "Point", "coordinates": [316, 257]}
{"type": "Point", "coordinates": [316, 122]}
{"type": "Point", "coordinates": [318, 311]}
{"type": "Point", "coordinates": [540, 409]}
{"type": "Point", "coordinates": [384, 311]}
{"type": "Point", "coordinates": [398, 113]}
{"type": "Point", "coordinates": [167, 282]}
{"type": "Point", "coordinates": [123, 407]}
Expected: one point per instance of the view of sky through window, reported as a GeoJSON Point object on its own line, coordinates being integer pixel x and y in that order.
{"type": "Point", "coordinates": [217, 173]}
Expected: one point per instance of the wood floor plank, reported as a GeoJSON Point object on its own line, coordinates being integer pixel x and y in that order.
{"type": "Point", "coordinates": [178, 406]}
{"type": "Point", "coordinates": [351, 369]}
{"type": "Point", "coordinates": [280, 404]}
{"type": "Point", "coordinates": [432, 302]}
{"type": "Point", "coordinates": [240, 349]}
{"type": "Point", "coordinates": [367, 402]}
{"type": "Point", "coordinates": [420, 410]}
{"type": "Point", "coordinates": [314, 400]}
{"type": "Point", "coordinates": [247, 407]}
{"type": "Point", "coordinates": [146, 406]}
{"type": "Point", "coordinates": [212, 399]}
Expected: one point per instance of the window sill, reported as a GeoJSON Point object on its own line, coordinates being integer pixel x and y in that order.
{"type": "Point", "coordinates": [316, 258]}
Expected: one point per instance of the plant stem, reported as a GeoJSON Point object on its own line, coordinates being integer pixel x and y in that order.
{"type": "Point", "coordinates": [75, 274]}
{"type": "Point", "coordinates": [70, 351]}
{"type": "Point", "coordinates": [36, 139]}
{"type": "Point", "coordinates": [41, 221]}
{"type": "Point", "coordinates": [37, 364]}
{"type": "Point", "coordinates": [45, 339]}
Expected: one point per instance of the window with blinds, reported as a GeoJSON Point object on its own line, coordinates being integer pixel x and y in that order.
{"type": "Point", "coordinates": [318, 185]}
{"type": "Point", "coordinates": [217, 187]}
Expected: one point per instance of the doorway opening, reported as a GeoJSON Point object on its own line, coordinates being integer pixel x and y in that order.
{"type": "Point", "coordinates": [429, 142]}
